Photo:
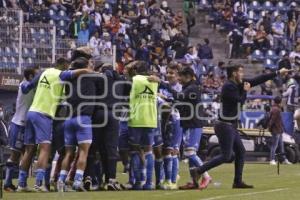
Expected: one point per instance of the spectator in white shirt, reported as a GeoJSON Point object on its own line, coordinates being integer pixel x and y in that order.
{"type": "Point", "coordinates": [94, 44]}
{"type": "Point", "coordinates": [278, 33]}
{"type": "Point", "coordinates": [248, 38]}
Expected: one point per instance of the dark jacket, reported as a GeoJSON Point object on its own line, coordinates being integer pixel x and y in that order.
{"type": "Point", "coordinates": [275, 123]}
{"type": "Point", "coordinates": [205, 52]}
{"type": "Point", "coordinates": [190, 94]}
{"type": "Point", "coordinates": [87, 87]}
{"type": "Point", "coordinates": [233, 96]}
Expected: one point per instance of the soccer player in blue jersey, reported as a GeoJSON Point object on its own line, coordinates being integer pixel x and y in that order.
{"type": "Point", "coordinates": [17, 128]}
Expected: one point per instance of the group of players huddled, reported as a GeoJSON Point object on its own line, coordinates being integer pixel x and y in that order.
{"type": "Point", "coordinates": [90, 117]}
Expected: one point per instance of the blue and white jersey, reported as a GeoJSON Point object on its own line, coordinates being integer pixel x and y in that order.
{"type": "Point", "coordinates": [23, 103]}
{"type": "Point", "coordinates": [177, 87]}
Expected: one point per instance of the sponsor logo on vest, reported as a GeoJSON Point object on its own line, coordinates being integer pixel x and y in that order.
{"type": "Point", "coordinates": [146, 94]}
{"type": "Point", "coordinates": [147, 90]}
{"type": "Point", "coordinates": [45, 82]}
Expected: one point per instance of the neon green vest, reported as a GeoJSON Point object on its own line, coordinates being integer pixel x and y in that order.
{"type": "Point", "coordinates": [143, 103]}
{"type": "Point", "coordinates": [48, 93]}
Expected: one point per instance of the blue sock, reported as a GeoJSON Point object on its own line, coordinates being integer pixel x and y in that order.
{"type": "Point", "coordinates": [143, 173]}
{"type": "Point", "coordinates": [48, 175]}
{"type": "Point", "coordinates": [195, 161]}
{"type": "Point", "coordinates": [40, 174]}
{"type": "Point", "coordinates": [175, 168]}
{"type": "Point", "coordinates": [131, 176]}
{"type": "Point", "coordinates": [63, 175]}
{"type": "Point", "coordinates": [168, 167]}
{"type": "Point", "coordinates": [136, 166]}
{"type": "Point", "coordinates": [78, 177]}
{"type": "Point", "coordinates": [149, 167]}
{"type": "Point", "coordinates": [159, 172]}
{"type": "Point", "coordinates": [23, 175]}
{"type": "Point", "coordinates": [10, 167]}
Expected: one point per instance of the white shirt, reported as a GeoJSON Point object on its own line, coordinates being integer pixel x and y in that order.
{"type": "Point", "coordinates": [248, 36]}
{"type": "Point", "coordinates": [94, 43]}
{"type": "Point", "coordinates": [98, 19]}
{"type": "Point", "coordinates": [23, 103]}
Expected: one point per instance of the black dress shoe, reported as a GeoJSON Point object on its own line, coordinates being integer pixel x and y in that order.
{"type": "Point", "coordinates": [242, 185]}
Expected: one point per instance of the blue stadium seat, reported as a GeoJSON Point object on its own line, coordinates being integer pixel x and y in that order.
{"type": "Point", "coordinates": [257, 55]}
{"type": "Point", "coordinates": [62, 25]}
{"type": "Point", "coordinates": [51, 22]}
{"type": "Point", "coordinates": [269, 64]}
{"type": "Point", "coordinates": [61, 33]}
{"type": "Point", "coordinates": [282, 53]}
{"type": "Point", "coordinates": [63, 15]}
{"type": "Point", "coordinates": [26, 53]}
{"type": "Point", "coordinates": [253, 15]}
{"type": "Point", "coordinates": [282, 7]}
{"type": "Point", "coordinates": [53, 15]}
{"type": "Point", "coordinates": [254, 5]}
{"type": "Point", "coordinates": [269, 6]}
{"type": "Point", "coordinates": [203, 4]}
{"type": "Point", "coordinates": [8, 52]}
{"type": "Point", "coordinates": [270, 54]}
{"type": "Point", "coordinates": [2, 52]}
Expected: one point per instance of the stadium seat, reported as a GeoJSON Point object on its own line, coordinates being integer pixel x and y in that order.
{"type": "Point", "coordinates": [51, 22]}
{"type": "Point", "coordinates": [25, 53]}
{"type": "Point", "coordinates": [257, 55]}
{"type": "Point", "coordinates": [53, 15]}
{"type": "Point", "coordinates": [61, 33]}
{"type": "Point", "coordinates": [281, 6]}
{"type": "Point", "coordinates": [62, 25]}
{"type": "Point", "coordinates": [282, 53]}
{"type": "Point", "coordinates": [269, 6]}
{"type": "Point", "coordinates": [203, 4]}
{"type": "Point", "coordinates": [253, 15]}
{"type": "Point", "coordinates": [270, 54]}
{"type": "Point", "coordinates": [2, 52]}
{"type": "Point", "coordinates": [269, 64]}
{"type": "Point", "coordinates": [8, 52]}
{"type": "Point", "coordinates": [63, 15]}
{"type": "Point", "coordinates": [255, 6]}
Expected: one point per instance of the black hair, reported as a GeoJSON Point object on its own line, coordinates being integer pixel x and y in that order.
{"type": "Point", "coordinates": [78, 53]}
{"type": "Point", "coordinates": [29, 72]}
{"type": "Point", "coordinates": [174, 67]}
{"type": "Point", "coordinates": [62, 61]}
{"type": "Point", "coordinates": [79, 63]}
{"type": "Point", "coordinates": [187, 71]}
{"type": "Point", "coordinates": [277, 100]}
{"type": "Point", "coordinates": [206, 40]}
{"type": "Point", "coordinates": [232, 69]}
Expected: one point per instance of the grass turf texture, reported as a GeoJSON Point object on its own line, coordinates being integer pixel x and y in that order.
{"type": "Point", "coordinates": [268, 186]}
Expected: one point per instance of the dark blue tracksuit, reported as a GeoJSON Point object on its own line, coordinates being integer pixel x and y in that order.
{"type": "Point", "coordinates": [232, 98]}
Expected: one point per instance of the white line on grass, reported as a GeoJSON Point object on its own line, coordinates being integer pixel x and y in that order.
{"type": "Point", "coordinates": [170, 193]}
{"type": "Point", "coordinates": [245, 194]}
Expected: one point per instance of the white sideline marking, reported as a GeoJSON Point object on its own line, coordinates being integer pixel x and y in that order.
{"type": "Point", "coordinates": [170, 193]}
{"type": "Point", "coordinates": [245, 194]}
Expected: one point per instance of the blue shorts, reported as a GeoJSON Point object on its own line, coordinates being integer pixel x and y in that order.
{"type": "Point", "coordinates": [173, 136]}
{"type": "Point", "coordinates": [78, 130]}
{"type": "Point", "coordinates": [123, 135]}
{"type": "Point", "coordinates": [16, 137]}
{"type": "Point", "coordinates": [158, 140]}
{"type": "Point", "coordinates": [191, 138]}
{"type": "Point", "coordinates": [38, 129]}
{"type": "Point", "coordinates": [141, 136]}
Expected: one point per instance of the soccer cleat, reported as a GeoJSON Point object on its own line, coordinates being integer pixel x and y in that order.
{"type": "Point", "coordinates": [173, 186]}
{"type": "Point", "coordinates": [88, 183]}
{"type": "Point", "coordinates": [148, 187]}
{"type": "Point", "coordinates": [287, 162]}
{"type": "Point", "coordinates": [41, 188]}
{"type": "Point", "coordinates": [273, 162]}
{"type": "Point", "coordinates": [167, 185]}
{"type": "Point", "coordinates": [10, 188]}
{"type": "Point", "coordinates": [114, 186]}
{"type": "Point", "coordinates": [79, 187]}
{"type": "Point", "coordinates": [188, 186]}
{"type": "Point", "coordinates": [61, 187]}
{"type": "Point", "coordinates": [205, 182]}
{"type": "Point", "coordinates": [242, 185]}
{"type": "Point", "coordinates": [24, 189]}
{"type": "Point", "coordinates": [126, 186]}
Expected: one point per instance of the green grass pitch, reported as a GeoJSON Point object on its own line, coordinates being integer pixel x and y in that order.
{"type": "Point", "coordinates": [268, 186]}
